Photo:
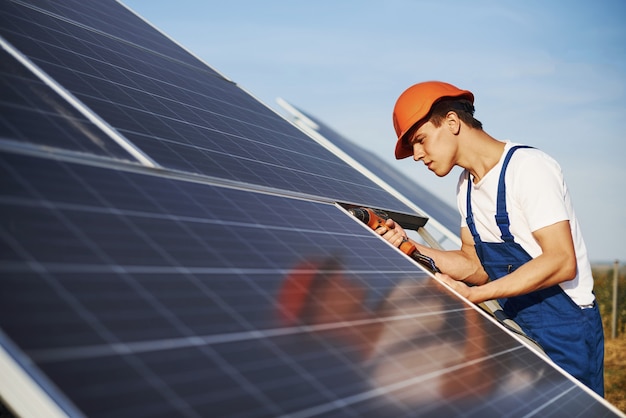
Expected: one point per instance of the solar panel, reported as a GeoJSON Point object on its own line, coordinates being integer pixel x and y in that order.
{"type": "Point", "coordinates": [170, 296]}
{"type": "Point", "coordinates": [180, 112]}
{"type": "Point", "coordinates": [181, 289]}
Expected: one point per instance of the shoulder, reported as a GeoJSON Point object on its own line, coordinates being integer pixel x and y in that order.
{"type": "Point", "coordinates": [533, 166]}
{"type": "Point", "coordinates": [535, 183]}
{"type": "Point", "coordinates": [533, 157]}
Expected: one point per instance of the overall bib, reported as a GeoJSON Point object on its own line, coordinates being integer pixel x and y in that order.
{"type": "Point", "coordinates": [571, 336]}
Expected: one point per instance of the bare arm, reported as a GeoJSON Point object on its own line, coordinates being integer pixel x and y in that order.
{"type": "Point", "coordinates": [462, 264]}
{"type": "Point", "coordinates": [556, 264]}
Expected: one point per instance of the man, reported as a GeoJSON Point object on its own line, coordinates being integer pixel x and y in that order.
{"type": "Point", "coordinates": [521, 242]}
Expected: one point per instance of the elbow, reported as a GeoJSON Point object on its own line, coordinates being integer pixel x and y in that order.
{"type": "Point", "coordinates": [572, 273]}
{"type": "Point", "coordinates": [568, 269]}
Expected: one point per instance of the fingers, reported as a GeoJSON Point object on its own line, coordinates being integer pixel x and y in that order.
{"type": "Point", "coordinates": [393, 233]}
{"type": "Point", "coordinates": [447, 280]}
{"type": "Point", "coordinates": [397, 238]}
{"type": "Point", "coordinates": [390, 226]}
{"type": "Point", "coordinates": [443, 277]}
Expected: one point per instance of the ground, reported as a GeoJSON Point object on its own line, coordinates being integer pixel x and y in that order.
{"type": "Point", "coordinates": [615, 371]}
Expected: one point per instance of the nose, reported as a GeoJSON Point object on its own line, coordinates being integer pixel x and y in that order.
{"type": "Point", "coordinates": [418, 152]}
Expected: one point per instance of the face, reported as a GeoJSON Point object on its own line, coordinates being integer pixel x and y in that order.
{"type": "Point", "coordinates": [435, 147]}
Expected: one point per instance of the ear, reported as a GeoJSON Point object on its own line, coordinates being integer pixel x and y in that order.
{"type": "Point", "coordinates": [453, 122]}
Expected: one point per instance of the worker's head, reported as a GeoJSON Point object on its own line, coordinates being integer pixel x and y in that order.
{"type": "Point", "coordinates": [429, 101]}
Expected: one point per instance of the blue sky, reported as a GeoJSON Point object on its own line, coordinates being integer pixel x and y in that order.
{"type": "Point", "coordinates": [551, 74]}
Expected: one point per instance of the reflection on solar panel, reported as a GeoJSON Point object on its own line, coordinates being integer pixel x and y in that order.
{"type": "Point", "coordinates": [171, 247]}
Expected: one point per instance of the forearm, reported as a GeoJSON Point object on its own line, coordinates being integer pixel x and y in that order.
{"type": "Point", "coordinates": [555, 265]}
{"type": "Point", "coordinates": [458, 264]}
{"type": "Point", "coordinates": [462, 265]}
{"type": "Point", "coordinates": [539, 273]}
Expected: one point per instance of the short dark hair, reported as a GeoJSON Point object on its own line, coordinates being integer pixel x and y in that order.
{"type": "Point", "coordinates": [462, 107]}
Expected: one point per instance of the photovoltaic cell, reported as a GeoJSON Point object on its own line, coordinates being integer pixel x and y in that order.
{"type": "Point", "coordinates": [190, 290]}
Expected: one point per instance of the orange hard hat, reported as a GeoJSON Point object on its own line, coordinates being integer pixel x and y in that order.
{"type": "Point", "coordinates": [415, 103]}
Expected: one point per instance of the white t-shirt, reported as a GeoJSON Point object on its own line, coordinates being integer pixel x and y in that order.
{"type": "Point", "coordinates": [536, 197]}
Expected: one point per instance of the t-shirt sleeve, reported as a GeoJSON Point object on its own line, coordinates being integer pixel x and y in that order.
{"type": "Point", "coordinates": [540, 190]}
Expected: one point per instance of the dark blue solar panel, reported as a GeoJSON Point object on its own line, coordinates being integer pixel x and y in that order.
{"type": "Point", "coordinates": [104, 18]}
{"type": "Point", "coordinates": [177, 111]}
{"type": "Point", "coordinates": [141, 295]}
{"type": "Point", "coordinates": [31, 113]}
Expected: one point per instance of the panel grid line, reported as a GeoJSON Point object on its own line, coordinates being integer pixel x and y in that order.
{"type": "Point", "coordinates": [111, 349]}
{"type": "Point", "coordinates": [342, 403]}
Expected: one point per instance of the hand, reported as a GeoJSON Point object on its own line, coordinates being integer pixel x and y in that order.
{"type": "Point", "coordinates": [460, 287]}
{"type": "Point", "coordinates": [392, 232]}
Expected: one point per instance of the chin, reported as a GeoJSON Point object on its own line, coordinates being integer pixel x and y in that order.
{"type": "Point", "coordinates": [441, 173]}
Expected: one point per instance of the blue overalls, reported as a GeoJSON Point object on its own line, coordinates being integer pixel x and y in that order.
{"type": "Point", "coordinates": [571, 336]}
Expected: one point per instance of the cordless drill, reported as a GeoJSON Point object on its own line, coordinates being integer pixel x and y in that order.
{"type": "Point", "coordinates": [375, 218]}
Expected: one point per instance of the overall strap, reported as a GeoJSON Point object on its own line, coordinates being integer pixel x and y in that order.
{"type": "Point", "coordinates": [502, 216]}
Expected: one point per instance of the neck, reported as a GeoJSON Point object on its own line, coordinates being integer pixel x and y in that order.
{"type": "Point", "coordinates": [481, 155]}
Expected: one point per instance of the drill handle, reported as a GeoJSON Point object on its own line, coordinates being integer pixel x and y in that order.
{"type": "Point", "coordinates": [407, 247]}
